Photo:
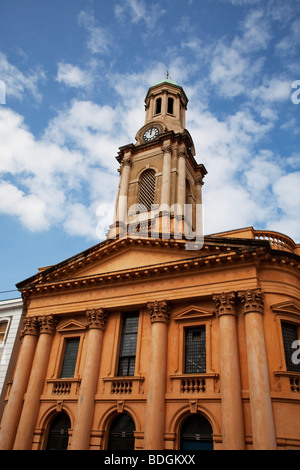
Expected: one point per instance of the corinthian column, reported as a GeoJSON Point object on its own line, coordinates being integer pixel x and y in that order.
{"type": "Point", "coordinates": [263, 428]}
{"type": "Point", "coordinates": [13, 408]}
{"type": "Point", "coordinates": [232, 408]}
{"type": "Point", "coordinates": [155, 410]}
{"type": "Point", "coordinates": [36, 383]}
{"type": "Point", "coordinates": [86, 402]}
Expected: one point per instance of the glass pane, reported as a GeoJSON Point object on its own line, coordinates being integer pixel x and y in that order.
{"type": "Point", "coordinates": [128, 344]}
{"type": "Point", "coordinates": [290, 334]}
{"type": "Point", "coordinates": [195, 350]}
{"type": "Point", "coordinates": [70, 358]}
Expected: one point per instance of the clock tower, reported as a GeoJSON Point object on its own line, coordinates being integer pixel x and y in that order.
{"type": "Point", "coordinates": [160, 184]}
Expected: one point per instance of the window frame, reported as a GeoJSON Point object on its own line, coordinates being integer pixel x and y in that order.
{"type": "Point", "coordinates": [194, 317]}
{"type": "Point", "coordinates": [61, 353]}
{"type": "Point", "coordinates": [297, 325]}
{"type": "Point", "coordinates": [118, 358]}
{"type": "Point", "coordinates": [63, 356]}
{"type": "Point", "coordinates": [190, 328]}
{"type": "Point", "coordinates": [6, 320]}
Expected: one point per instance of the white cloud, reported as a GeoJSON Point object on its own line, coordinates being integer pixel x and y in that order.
{"type": "Point", "coordinates": [17, 83]}
{"type": "Point", "coordinates": [42, 179]}
{"type": "Point", "coordinates": [73, 76]}
{"type": "Point", "coordinates": [139, 11]}
{"type": "Point", "coordinates": [99, 41]}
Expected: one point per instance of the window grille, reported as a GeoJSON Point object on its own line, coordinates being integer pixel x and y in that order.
{"type": "Point", "coordinates": [290, 334]}
{"type": "Point", "coordinates": [147, 190]}
{"type": "Point", "coordinates": [128, 345]}
{"type": "Point", "coordinates": [70, 358]}
{"type": "Point", "coordinates": [195, 350]}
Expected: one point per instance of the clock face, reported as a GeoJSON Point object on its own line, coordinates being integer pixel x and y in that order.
{"type": "Point", "coordinates": [150, 134]}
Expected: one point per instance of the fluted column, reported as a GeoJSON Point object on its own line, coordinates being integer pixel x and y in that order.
{"type": "Point", "coordinates": [13, 408]}
{"type": "Point", "coordinates": [263, 427]}
{"type": "Point", "coordinates": [232, 407]}
{"type": "Point", "coordinates": [86, 402]}
{"type": "Point", "coordinates": [36, 383]}
{"type": "Point", "coordinates": [155, 411]}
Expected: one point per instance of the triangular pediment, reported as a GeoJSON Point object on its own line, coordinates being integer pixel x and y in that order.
{"type": "Point", "coordinates": [290, 307]}
{"type": "Point", "coordinates": [71, 325]}
{"type": "Point", "coordinates": [192, 313]}
{"type": "Point", "coordinates": [128, 254]}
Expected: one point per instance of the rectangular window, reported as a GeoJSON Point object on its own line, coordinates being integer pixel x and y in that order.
{"type": "Point", "coordinates": [70, 358]}
{"type": "Point", "coordinates": [128, 344]}
{"type": "Point", "coordinates": [195, 350]}
{"type": "Point", "coordinates": [291, 345]}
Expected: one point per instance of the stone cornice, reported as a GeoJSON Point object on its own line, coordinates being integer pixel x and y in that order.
{"type": "Point", "coordinates": [213, 255]}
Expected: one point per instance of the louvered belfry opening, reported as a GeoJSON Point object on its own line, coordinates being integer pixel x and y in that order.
{"type": "Point", "coordinates": [147, 190]}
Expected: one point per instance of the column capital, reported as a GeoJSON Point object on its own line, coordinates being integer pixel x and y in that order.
{"type": "Point", "coordinates": [225, 303]}
{"type": "Point", "coordinates": [31, 326]}
{"type": "Point", "coordinates": [252, 301]}
{"type": "Point", "coordinates": [47, 324]}
{"type": "Point", "coordinates": [126, 161]}
{"type": "Point", "coordinates": [159, 311]}
{"type": "Point", "coordinates": [97, 318]}
{"type": "Point", "coordinates": [167, 149]}
{"type": "Point", "coordinates": [182, 153]}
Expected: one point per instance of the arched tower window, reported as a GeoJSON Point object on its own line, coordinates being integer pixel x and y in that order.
{"type": "Point", "coordinates": [170, 106]}
{"type": "Point", "coordinates": [196, 433]}
{"type": "Point", "coordinates": [59, 432]}
{"type": "Point", "coordinates": [121, 431]}
{"type": "Point", "coordinates": [147, 189]}
{"type": "Point", "coordinates": [158, 106]}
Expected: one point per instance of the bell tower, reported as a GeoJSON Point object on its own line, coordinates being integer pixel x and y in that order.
{"type": "Point", "coordinates": [160, 184]}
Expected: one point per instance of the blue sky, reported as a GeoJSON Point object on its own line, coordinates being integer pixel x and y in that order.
{"type": "Point", "coordinates": [74, 75]}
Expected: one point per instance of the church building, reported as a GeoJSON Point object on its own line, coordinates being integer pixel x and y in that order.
{"type": "Point", "coordinates": [159, 337]}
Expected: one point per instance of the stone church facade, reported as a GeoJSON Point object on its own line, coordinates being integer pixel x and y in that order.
{"type": "Point", "coordinates": [160, 337]}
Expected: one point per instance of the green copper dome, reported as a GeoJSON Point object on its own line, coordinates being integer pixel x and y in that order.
{"type": "Point", "coordinates": [166, 80]}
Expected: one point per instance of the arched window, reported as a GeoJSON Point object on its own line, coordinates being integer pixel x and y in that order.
{"type": "Point", "coordinates": [196, 433]}
{"type": "Point", "coordinates": [170, 106]}
{"type": "Point", "coordinates": [147, 190]}
{"type": "Point", "coordinates": [59, 432]}
{"type": "Point", "coordinates": [121, 431]}
{"type": "Point", "coordinates": [158, 106]}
